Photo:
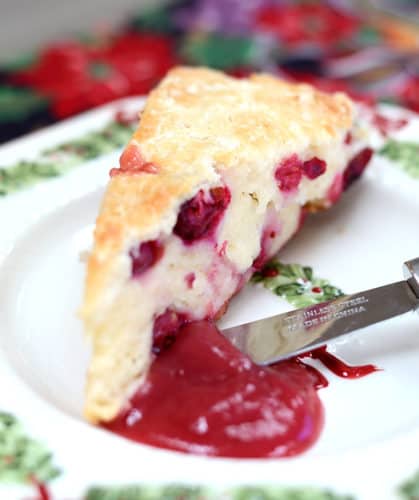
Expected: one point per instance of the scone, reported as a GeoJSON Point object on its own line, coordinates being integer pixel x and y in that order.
{"type": "Point", "coordinates": [212, 184]}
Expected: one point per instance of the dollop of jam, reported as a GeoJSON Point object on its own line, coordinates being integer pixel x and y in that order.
{"type": "Point", "coordinates": [203, 396]}
{"type": "Point", "coordinates": [199, 217]}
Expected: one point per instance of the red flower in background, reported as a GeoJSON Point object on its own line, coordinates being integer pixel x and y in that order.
{"type": "Point", "coordinates": [294, 24]}
{"type": "Point", "coordinates": [77, 77]}
{"type": "Point", "coordinates": [410, 94]}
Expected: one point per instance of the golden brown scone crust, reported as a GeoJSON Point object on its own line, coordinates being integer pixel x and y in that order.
{"type": "Point", "coordinates": [196, 123]}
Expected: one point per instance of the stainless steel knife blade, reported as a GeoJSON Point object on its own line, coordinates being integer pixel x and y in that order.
{"type": "Point", "coordinates": [285, 335]}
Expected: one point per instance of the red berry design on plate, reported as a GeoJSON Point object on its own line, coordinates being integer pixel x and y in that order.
{"type": "Point", "coordinates": [199, 217]}
{"type": "Point", "coordinates": [127, 118]}
{"type": "Point", "coordinates": [144, 257]}
{"type": "Point", "coordinates": [385, 125]}
{"type": "Point", "coordinates": [269, 272]}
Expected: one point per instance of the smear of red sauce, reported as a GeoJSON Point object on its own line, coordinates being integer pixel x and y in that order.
{"type": "Point", "coordinates": [339, 367]}
{"type": "Point", "coordinates": [203, 396]}
{"type": "Point", "coordinates": [320, 381]}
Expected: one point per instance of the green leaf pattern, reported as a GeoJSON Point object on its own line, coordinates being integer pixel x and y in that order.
{"type": "Point", "coordinates": [203, 493]}
{"type": "Point", "coordinates": [410, 489]}
{"type": "Point", "coordinates": [22, 459]}
{"type": "Point", "coordinates": [403, 153]}
{"type": "Point", "coordinates": [16, 103]}
{"type": "Point", "coordinates": [295, 283]}
{"type": "Point", "coordinates": [60, 159]}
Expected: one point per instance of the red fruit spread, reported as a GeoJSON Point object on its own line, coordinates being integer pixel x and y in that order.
{"type": "Point", "coordinates": [338, 367]}
{"type": "Point", "coordinates": [203, 396]}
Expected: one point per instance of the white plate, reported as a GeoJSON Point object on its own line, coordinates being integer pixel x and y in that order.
{"type": "Point", "coordinates": [370, 442]}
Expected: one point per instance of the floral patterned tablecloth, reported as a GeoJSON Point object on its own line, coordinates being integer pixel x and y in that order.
{"type": "Point", "coordinates": [335, 45]}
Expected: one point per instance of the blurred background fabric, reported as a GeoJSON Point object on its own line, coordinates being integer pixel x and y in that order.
{"type": "Point", "coordinates": [60, 58]}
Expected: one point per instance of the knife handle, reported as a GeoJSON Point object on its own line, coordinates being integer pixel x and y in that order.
{"type": "Point", "coordinates": [411, 273]}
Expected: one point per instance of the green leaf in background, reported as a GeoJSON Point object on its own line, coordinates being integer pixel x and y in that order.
{"type": "Point", "coordinates": [404, 153]}
{"type": "Point", "coordinates": [19, 63]}
{"type": "Point", "coordinates": [295, 283]}
{"type": "Point", "coordinates": [22, 459]}
{"type": "Point", "coordinates": [154, 18]}
{"type": "Point", "coordinates": [17, 103]}
{"type": "Point", "coordinates": [202, 493]}
{"type": "Point", "coordinates": [219, 51]}
{"type": "Point", "coordinates": [368, 35]}
{"type": "Point", "coordinates": [410, 489]}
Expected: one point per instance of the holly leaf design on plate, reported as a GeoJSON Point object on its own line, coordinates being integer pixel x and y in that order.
{"type": "Point", "coordinates": [278, 493]}
{"type": "Point", "coordinates": [295, 283]}
{"type": "Point", "coordinates": [410, 489]}
{"type": "Point", "coordinates": [174, 492]}
{"type": "Point", "coordinates": [404, 153]}
{"type": "Point", "coordinates": [57, 161]}
{"type": "Point", "coordinates": [22, 459]}
{"type": "Point", "coordinates": [141, 492]}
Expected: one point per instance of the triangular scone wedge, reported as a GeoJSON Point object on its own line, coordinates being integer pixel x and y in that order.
{"type": "Point", "coordinates": [211, 185]}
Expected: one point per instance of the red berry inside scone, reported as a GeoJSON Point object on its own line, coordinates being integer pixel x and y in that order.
{"type": "Point", "coordinates": [145, 256]}
{"type": "Point", "coordinates": [314, 168]}
{"type": "Point", "coordinates": [165, 328]}
{"type": "Point", "coordinates": [199, 217]}
{"type": "Point", "coordinates": [356, 166]}
{"type": "Point", "coordinates": [289, 174]}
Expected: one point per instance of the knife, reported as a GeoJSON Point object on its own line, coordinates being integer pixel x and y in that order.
{"type": "Point", "coordinates": [292, 333]}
